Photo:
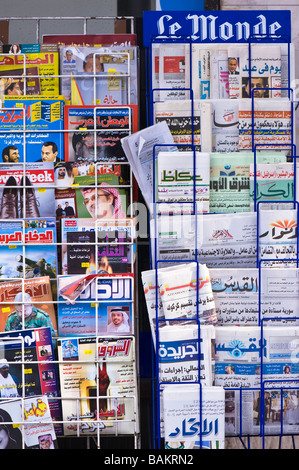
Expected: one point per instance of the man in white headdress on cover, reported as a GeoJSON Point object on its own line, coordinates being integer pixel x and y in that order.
{"type": "Point", "coordinates": [8, 385]}
{"type": "Point", "coordinates": [119, 321]}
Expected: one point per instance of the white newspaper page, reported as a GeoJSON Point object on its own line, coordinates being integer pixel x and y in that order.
{"type": "Point", "coordinates": [172, 65]}
{"type": "Point", "coordinates": [181, 355]}
{"type": "Point", "coordinates": [176, 182]}
{"type": "Point", "coordinates": [264, 66]}
{"type": "Point", "coordinates": [189, 125]}
{"type": "Point", "coordinates": [219, 75]}
{"type": "Point", "coordinates": [271, 182]}
{"type": "Point", "coordinates": [186, 293]}
{"type": "Point", "coordinates": [225, 125]}
{"type": "Point", "coordinates": [218, 240]}
{"type": "Point", "coordinates": [272, 124]}
{"type": "Point", "coordinates": [141, 148]}
{"type": "Point", "coordinates": [235, 294]}
{"type": "Point", "coordinates": [277, 237]}
{"type": "Point", "coordinates": [183, 428]}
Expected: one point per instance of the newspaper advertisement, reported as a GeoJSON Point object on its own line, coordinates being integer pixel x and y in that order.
{"type": "Point", "coordinates": [262, 74]}
{"type": "Point", "coordinates": [272, 124]}
{"type": "Point", "coordinates": [177, 184]}
{"type": "Point", "coordinates": [186, 293]}
{"type": "Point", "coordinates": [189, 123]}
{"type": "Point", "coordinates": [183, 427]}
{"type": "Point", "coordinates": [243, 358]}
{"type": "Point", "coordinates": [98, 385]}
{"type": "Point", "coordinates": [221, 240]}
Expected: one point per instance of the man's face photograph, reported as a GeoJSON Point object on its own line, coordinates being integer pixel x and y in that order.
{"type": "Point", "coordinates": [47, 154]}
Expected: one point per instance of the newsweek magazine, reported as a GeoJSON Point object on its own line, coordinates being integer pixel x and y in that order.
{"type": "Point", "coordinates": [272, 124]}
{"type": "Point", "coordinates": [182, 354]}
{"type": "Point", "coordinates": [197, 422]}
{"type": "Point", "coordinates": [94, 132]}
{"type": "Point", "coordinates": [28, 248]}
{"type": "Point", "coordinates": [223, 240]}
{"type": "Point", "coordinates": [189, 123]}
{"type": "Point", "coordinates": [29, 355]}
{"type": "Point", "coordinates": [243, 359]}
{"type": "Point", "coordinates": [27, 192]}
{"type": "Point", "coordinates": [101, 236]}
{"type": "Point", "coordinates": [100, 374]}
{"type": "Point", "coordinates": [34, 297]}
{"type": "Point", "coordinates": [95, 304]}
{"type": "Point", "coordinates": [186, 293]}
{"type": "Point", "coordinates": [114, 81]}
{"type": "Point", "coordinates": [230, 178]}
{"type": "Point", "coordinates": [176, 183]}
{"type": "Point", "coordinates": [264, 70]}
{"type": "Point", "coordinates": [31, 123]}
{"type": "Point", "coordinates": [46, 62]}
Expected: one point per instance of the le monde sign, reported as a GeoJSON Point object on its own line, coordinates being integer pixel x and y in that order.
{"type": "Point", "coordinates": [216, 26]}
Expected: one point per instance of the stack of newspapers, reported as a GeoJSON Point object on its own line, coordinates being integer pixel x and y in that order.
{"type": "Point", "coordinates": [222, 295]}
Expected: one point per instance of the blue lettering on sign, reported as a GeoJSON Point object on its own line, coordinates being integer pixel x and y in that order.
{"type": "Point", "coordinates": [216, 26]}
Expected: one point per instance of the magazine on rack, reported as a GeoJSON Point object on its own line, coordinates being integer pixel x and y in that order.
{"type": "Point", "coordinates": [230, 180]}
{"type": "Point", "coordinates": [47, 64]}
{"type": "Point", "coordinates": [263, 71]}
{"type": "Point", "coordinates": [243, 359]}
{"type": "Point", "coordinates": [175, 181]}
{"type": "Point", "coordinates": [105, 235]}
{"type": "Point", "coordinates": [34, 298]}
{"type": "Point", "coordinates": [94, 132]}
{"type": "Point", "coordinates": [141, 148]}
{"type": "Point", "coordinates": [89, 40]}
{"type": "Point", "coordinates": [33, 124]}
{"type": "Point", "coordinates": [28, 248]}
{"type": "Point", "coordinates": [113, 82]}
{"type": "Point", "coordinates": [27, 192]}
{"type": "Point", "coordinates": [13, 82]}
{"type": "Point", "coordinates": [273, 124]}
{"type": "Point", "coordinates": [103, 304]}
{"type": "Point", "coordinates": [189, 123]}
{"type": "Point", "coordinates": [223, 240]}
{"type": "Point", "coordinates": [100, 374]}
{"type": "Point", "coordinates": [29, 355]}
{"type": "Point", "coordinates": [197, 422]}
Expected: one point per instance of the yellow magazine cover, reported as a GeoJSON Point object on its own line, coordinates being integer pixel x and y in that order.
{"type": "Point", "coordinates": [47, 64]}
